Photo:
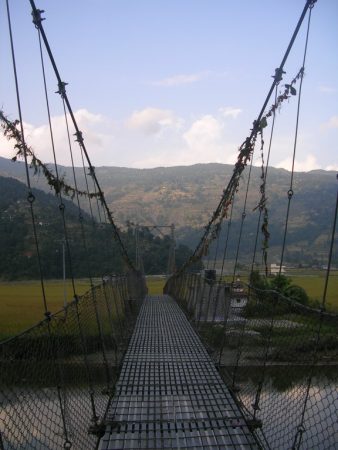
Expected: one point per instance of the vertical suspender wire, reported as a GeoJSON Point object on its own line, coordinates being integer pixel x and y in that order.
{"type": "Point", "coordinates": [328, 270]}
{"type": "Point", "coordinates": [89, 376]}
{"type": "Point", "coordinates": [31, 200]}
{"type": "Point", "coordinates": [300, 431]}
{"type": "Point", "coordinates": [264, 180]}
{"type": "Point", "coordinates": [268, 340]}
{"type": "Point", "coordinates": [59, 193]}
{"type": "Point", "coordinates": [110, 318]}
{"type": "Point", "coordinates": [290, 194]}
{"type": "Point", "coordinates": [243, 325]}
{"type": "Point", "coordinates": [244, 211]}
{"type": "Point", "coordinates": [30, 197]}
{"type": "Point", "coordinates": [226, 306]}
{"type": "Point", "coordinates": [255, 129]}
{"type": "Point", "coordinates": [97, 202]}
{"type": "Point", "coordinates": [227, 300]}
{"type": "Point", "coordinates": [309, 4]}
{"type": "Point", "coordinates": [93, 290]}
{"type": "Point", "coordinates": [78, 134]}
{"type": "Point", "coordinates": [213, 283]}
{"type": "Point", "coordinates": [219, 282]}
{"type": "Point", "coordinates": [191, 295]}
{"type": "Point", "coordinates": [104, 212]}
{"type": "Point", "coordinates": [290, 191]}
{"type": "Point", "coordinates": [72, 159]}
{"type": "Point", "coordinates": [227, 237]}
{"type": "Point", "coordinates": [75, 181]}
{"type": "Point", "coordinates": [78, 320]}
{"type": "Point", "coordinates": [77, 193]}
{"type": "Point", "coordinates": [90, 273]}
{"type": "Point", "coordinates": [217, 246]}
{"type": "Point", "coordinates": [87, 186]}
{"type": "Point", "coordinates": [62, 206]}
{"type": "Point", "coordinates": [208, 254]}
{"type": "Point", "coordinates": [37, 21]}
{"type": "Point", "coordinates": [2, 446]}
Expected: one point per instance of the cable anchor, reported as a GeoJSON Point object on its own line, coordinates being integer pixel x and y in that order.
{"type": "Point", "coordinates": [67, 444]}
{"type": "Point", "coordinates": [62, 88]}
{"type": "Point", "coordinates": [278, 76]}
{"type": "Point", "coordinates": [91, 171]}
{"type": "Point", "coordinates": [31, 198]}
{"type": "Point", "coordinates": [253, 424]}
{"type": "Point", "coordinates": [79, 137]}
{"type": "Point", "coordinates": [298, 437]}
{"type": "Point", "coordinates": [37, 19]}
{"type": "Point", "coordinates": [97, 429]}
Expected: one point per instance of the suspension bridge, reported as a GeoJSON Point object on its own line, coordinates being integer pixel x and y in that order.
{"type": "Point", "coordinates": [192, 368]}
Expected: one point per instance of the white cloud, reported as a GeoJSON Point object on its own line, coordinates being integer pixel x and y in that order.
{"type": "Point", "coordinates": [6, 148]}
{"type": "Point", "coordinates": [149, 137]}
{"type": "Point", "coordinates": [229, 111]}
{"type": "Point", "coordinates": [152, 120]}
{"type": "Point", "coordinates": [177, 80]}
{"type": "Point", "coordinates": [201, 141]}
{"type": "Point", "coordinates": [96, 129]}
{"type": "Point", "coordinates": [332, 167]}
{"type": "Point", "coordinates": [158, 137]}
{"type": "Point", "coordinates": [331, 123]}
{"type": "Point", "coordinates": [206, 142]}
{"type": "Point", "coordinates": [203, 131]}
{"type": "Point", "coordinates": [327, 89]}
{"type": "Point", "coordinates": [309, 163]}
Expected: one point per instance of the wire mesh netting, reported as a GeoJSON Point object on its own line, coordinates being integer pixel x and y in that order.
{"type": "Point", "coordinates": [58, 378]}
{"type": "Point", "coordinates": [279, 358]}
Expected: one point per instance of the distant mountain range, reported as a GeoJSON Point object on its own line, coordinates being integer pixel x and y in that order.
{"type": "Point", "coordinates": [187, 195]}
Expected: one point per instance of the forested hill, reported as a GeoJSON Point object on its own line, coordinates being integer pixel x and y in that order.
{"type": "Point", "coordinates": [18, 250]}
{"type": "Point", "coordinates": [187, 195]}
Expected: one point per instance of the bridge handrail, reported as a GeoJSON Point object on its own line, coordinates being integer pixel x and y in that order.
{"type": "Point", "coordinates": [66, 367]}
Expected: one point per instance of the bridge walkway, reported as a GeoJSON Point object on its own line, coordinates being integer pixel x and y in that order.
{"type": "Point", "coordinates": [169, 394]}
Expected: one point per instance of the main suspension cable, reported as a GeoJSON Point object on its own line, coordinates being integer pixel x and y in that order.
{"type": "Point", "coordinates": [290, 191]}
{"type": "Point", "coordinates": [245, 152]}
{"type": "Point", "coordinates": [37, 19]}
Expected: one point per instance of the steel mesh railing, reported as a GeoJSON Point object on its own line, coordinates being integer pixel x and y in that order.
{"type": "Point", "coordinates": [279, 358]}
{"type": "Point", "coordinates": [57, 378]}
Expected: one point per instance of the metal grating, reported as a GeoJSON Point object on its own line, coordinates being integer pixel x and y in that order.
{"type": "Point", "coordinates": [169, 394]}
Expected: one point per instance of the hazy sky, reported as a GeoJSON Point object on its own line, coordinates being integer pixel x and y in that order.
{"type": "Point", "coordinates": [172, 82]}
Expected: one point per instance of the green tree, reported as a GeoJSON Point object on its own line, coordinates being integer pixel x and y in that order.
{"type": "Point", "coordinates": [257, 280]}
{"type": "Point", "coordinates": [280, 283]}
{"type": "Point", "coordinates": [298, 294]}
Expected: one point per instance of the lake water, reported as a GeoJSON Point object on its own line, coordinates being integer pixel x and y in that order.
{"type": "Point", "coordinates": [30, 414]}
{"type": "Point", "coordinates": [282, 403]}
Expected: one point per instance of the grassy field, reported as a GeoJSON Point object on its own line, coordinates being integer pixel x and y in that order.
{"type": "Point", "coordinates": [155, 284]}
{"type": "Point", "coordinates": [21, 304]}
{"type": "Point", "coordinates": [314, 286]}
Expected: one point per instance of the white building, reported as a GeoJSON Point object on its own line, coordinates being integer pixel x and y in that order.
{"type": "Point", "coordinates": [274, 269]}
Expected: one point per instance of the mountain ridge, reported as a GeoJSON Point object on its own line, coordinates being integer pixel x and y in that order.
{"type": "Point", "coordinates": [187, 196]}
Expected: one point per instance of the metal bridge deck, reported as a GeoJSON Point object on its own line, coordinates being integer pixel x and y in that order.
{"type": "Point", "coordinates": [169, 394]}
